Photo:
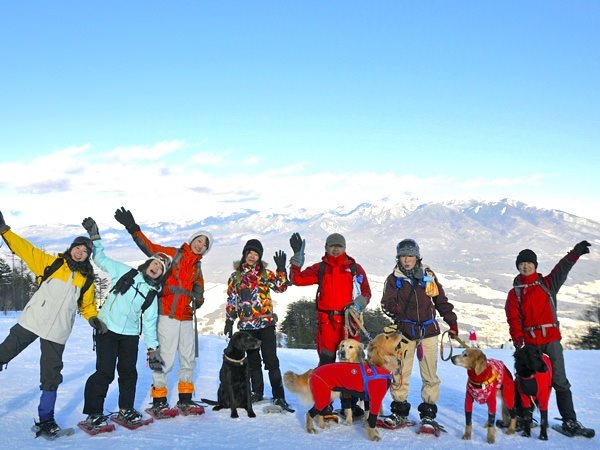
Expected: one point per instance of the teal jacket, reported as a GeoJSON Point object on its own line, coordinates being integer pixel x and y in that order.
{"type": "Point", "coordinates": [122, 313]}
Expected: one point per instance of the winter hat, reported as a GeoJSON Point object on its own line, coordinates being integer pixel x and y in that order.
{"type": "Point", "coordinates": [335, 239]}
{"type": "Point", "coordinates": [82, 240]}
{"type": "Point", "coordinates": [207, 235]}
{"type": "Point", "coordinates": [255, 245]}
{"type": "Point", "coordinates": [164, 260]}
{"type": "Point", "coordinates": [527, 256]}
{"type": "Point", "coordinates": [408, 247]}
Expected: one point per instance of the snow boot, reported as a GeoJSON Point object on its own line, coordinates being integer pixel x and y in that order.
{"type": "Point", "coordinates": [160, 409]}
{"type": "Point", "coordinates": [398, 418]}
{"type": "Point", "coordinates": [189, 407]}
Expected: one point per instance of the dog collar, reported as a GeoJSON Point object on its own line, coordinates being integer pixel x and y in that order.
{"type": "Point", "coordinates": [239, 362]}
{"type": "Point", "coordinates": [489, 380]}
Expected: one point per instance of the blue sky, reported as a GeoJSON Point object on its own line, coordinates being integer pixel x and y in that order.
{"type": "Point", "coordinates": [222, 105]}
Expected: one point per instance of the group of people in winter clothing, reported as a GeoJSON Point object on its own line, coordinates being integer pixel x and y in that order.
{"type": "Point", "coordinates": [159, 299]}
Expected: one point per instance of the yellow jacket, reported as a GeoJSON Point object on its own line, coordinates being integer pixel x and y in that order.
{"type": "Point", "coordinates": [50, 313]}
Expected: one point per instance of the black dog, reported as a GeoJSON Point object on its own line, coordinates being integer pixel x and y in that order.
{"type": "Point", "coordinates": [234, 387]}
{"type": "Point", "coordinates": [533, 381]}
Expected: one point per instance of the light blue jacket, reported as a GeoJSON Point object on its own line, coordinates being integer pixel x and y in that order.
{"type": "Point", "coordinates": [122, 313]}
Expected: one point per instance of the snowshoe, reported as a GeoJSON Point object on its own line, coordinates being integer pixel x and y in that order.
{"type": "Point", "coordinates": [281, 404]}
{"type": "Point", "coordinates": [329, 415]}
{"type": "Point", "coordinates": [131, 419]}
{"type": "Point", "coordinates": [162, 411]}
{"type": "Point", "coordinates": [190, 408]}
{"type": "Point", "coordinates": [500, 424]}
{"type": "Point", "coordinates": [572, 428]}
{"type": "Point", "coordinates": [49, 430]}
{"type": "Point", "coordinates": [96, 424]}
{"type": "Point", "coordinates": [430, 426]}
{"type": "Point", "coordinates": [394, 422]}
{"type": "Point", "coordinates": [357, 413]}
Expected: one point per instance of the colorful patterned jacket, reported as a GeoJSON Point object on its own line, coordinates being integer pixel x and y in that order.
{"type": "Point", "coordinates": [249, 295]}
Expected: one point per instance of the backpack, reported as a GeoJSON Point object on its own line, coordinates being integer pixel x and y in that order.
{"type": "Point", "coordinates": [56, 264]}
{"type": "Point", "coordinates": [539, 282]}
{"type": "Point", "coordinates": [321, 274]}
{"type": "Point", "coordinates": [126, 281]}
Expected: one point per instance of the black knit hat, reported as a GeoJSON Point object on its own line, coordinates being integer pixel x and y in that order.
{"type": "Point", "coordinates": [82, 240]}
{"type": "Point", "coordinates": [527, 256]}
{"type": "Point", "coordinates": [255, 245]}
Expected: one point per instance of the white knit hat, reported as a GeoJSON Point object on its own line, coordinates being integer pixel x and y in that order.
{"type": "Point", "coordinates": [206, 234]}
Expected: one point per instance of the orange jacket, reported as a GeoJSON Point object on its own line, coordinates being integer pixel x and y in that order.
{"type": "Point", "coordinates": [184, 277]}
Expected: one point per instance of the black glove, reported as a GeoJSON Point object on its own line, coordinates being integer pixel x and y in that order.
{"type": "Point", "coordinates": [582, 248]}
{"type": "Point", "coordinates": [90, 226]}
{"type": "Point", "coordinates": [198, 295]}
{"type": "Point", "coordinates": [279, 259]}
{"type": "Point", "coordinates": [3, 227]}
{"type": "Point", "coordinates": [297, 244]}
{"type": "Point", "coordinates": [228, 330]}
{"type": "Point", "coordinates": [98, 325]}
{"type": "Point", "coordinates": [125, 218]}
{"type": "Point", "coordinates": [155, 361]}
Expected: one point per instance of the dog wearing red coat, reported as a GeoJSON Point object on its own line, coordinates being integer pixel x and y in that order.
{"type": "Point", "coordinates": [487, 379]}
{"type": "Point", "coordinates": [534, 384]}
{"type": "Point", "coordinates": [368, 380]}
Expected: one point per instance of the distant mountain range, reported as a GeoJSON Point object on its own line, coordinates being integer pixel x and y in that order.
{"type": "Point", "coordinates": [471, 245]}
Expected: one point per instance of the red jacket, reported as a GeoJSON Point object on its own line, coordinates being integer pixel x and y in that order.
{"type": "Point", "coordinates": [184, 278]}
{"type": "Point", "coordinates": [535, 319]}
{"type": "Point", "coordinates": [336, 287]}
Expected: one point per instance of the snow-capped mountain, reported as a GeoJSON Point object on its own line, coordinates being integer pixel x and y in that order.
{"type": "Point", "coordinates": [470, 245]}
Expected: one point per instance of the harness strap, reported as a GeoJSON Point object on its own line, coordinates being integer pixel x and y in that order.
{"type": "Point", "coordinates": [541, 327]}
{"type": "Point", "coordinates": [418, 328]}
{"type": "Point", "coordinates": [375, 376]}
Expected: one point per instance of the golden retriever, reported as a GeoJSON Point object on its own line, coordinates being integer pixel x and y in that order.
{"type": "Point", "coordinates": [349, 350]}
{"type": "Point", "coordinates": [487, 379]}
{"type": "Point", "coordinates": [324, 383]}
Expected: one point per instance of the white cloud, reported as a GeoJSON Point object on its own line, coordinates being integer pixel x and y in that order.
{"type": "Point", "coordinates": [165, 182]}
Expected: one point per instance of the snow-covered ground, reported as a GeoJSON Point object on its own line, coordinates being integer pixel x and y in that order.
{"type": "Point", "coordinates": [215, 430]}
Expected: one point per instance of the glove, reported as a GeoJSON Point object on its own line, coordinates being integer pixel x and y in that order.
{"type": "Point", "coordinates": [297, 244]}
{"type": "Point", "coordinates": [90, 226]}
{"type": "Point", "coordinates": [453, 331]}
{"type": "Point", "coordinates": [582, 248]}
{"type": "Point", "coordinates": [519, 342]}
{"type": "Point", "coordinates": [125, 218]}
{"type": "Point", "coordinates": [3, 227]}
{"type": "Point", "coordinates": [98, 325]}
{"type": "Point", "coordinates": [198, 296]}
{"type": "Point", "coordinates": [155, 362]}
{"type": "Point", "coordinates": [360, 303]}
{"type": "Point", "coordinates": [228, 330]}
{"type": "Point", "coordinates": [279, 259]}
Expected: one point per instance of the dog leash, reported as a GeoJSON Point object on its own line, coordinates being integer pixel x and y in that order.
{"type": "Point", "coordinates": [456, 338]}
{"type": "Point", "coordinates": [353, 322]}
